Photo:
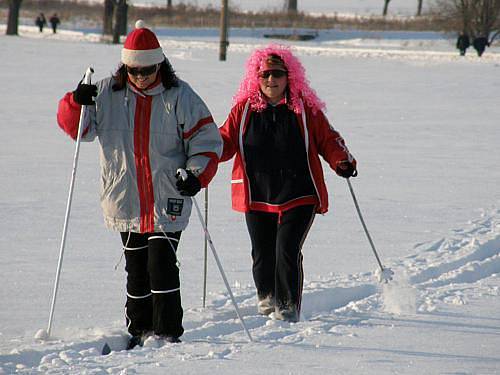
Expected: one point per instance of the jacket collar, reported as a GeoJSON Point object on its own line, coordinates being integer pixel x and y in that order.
{"type": "Point", "coordinates": [155, 89]}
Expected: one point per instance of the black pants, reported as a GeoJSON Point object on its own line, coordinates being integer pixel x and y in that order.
{"type": "Point", "coordinates": [153, 284]}
{"type": "Point", "coordinates": [276, 253]}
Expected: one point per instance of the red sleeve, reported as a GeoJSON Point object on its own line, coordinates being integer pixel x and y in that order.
{"type": "Point", "coordinates": [331, 145]}
{"type": "Point", "coordinates": [229, 134]}
{"type": "Point", "coordinates": [68, 115]}
{"type": "Point", "coordinates": [210, 169]}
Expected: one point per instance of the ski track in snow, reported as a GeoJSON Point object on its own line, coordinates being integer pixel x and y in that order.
{"type": "Point", "coordinates": [440, 272]}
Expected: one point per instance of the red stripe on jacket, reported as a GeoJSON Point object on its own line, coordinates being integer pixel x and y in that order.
{"type": "Point", "coordinates": [199, 124]}
{"type": "Point", "coordinates": [142, 165]}
{"type": "Point", "coordinates": [210, 169]}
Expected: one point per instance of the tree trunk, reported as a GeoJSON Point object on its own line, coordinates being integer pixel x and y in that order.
{"type": "Point", "coordinates": [120, 20]}
{"type": "Point", "coordinates": [386, 6]}
{"type": "Point", "coordinates": [169, 5]}
{"type": "Point", "coordinates": [107, 21]}
{"type": "Point", "coordinates": [419, 8]}
{"type": "Point", "coordinates": [291, 6]}
{"type": "Point", "coordinates": [13, 20]}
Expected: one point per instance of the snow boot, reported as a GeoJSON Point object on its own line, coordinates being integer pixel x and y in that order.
{"type": "Point", "coordinates": [171, 339]}
{"type": "Point", "coordinates": [265, 306]}
{"type": "Point", "coordinates": [157, 341]}
{"type": "Point", "coordinates": [134, 341]}
{"type": "Point", "coordinates": [288, 314]}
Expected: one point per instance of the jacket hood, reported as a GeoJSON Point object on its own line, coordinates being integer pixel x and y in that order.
{"type": "Point", "coordinates": [298, 85]}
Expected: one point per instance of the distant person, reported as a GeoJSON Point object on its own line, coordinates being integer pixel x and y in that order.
{"type": "Point", "coordinates": [480, 43]}
{"type": "Point", "coordinates": [54, 22]}
{"type": "Point", "coordinates": [463, 42]}
{"type": "Point", "coordinates": [277, 131]}
{"type": "Point", "coordinates": [40, 21]}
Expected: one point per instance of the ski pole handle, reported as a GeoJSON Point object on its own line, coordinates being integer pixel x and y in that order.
{"type": "Point", "coordinates": [88, 75]}
{"type": "Point", "coordinates": [182, 173]}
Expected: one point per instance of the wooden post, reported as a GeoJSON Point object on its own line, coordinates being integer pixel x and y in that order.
{"type": "Point", "coordinates": [224, 15]}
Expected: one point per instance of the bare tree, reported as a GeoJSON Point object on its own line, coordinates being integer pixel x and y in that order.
{"type": "Point", "coordinates": [386, 7]}
{"type": "Point", "coordinates": [13, 20]}
{"type": "Point", "coordinates": [107, 22]}
{"type": "Point", "coordinates": [419, 7]}
{"type": "Point", "coordinates": [473, 17]}
{"type": "Point", "coordinates": [120, 27]}
{"type": "Point", "coordinates": [291, 6]}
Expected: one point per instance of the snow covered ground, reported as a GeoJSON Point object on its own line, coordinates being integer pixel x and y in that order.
{"type": "Point", "coordinates": [423, 124]}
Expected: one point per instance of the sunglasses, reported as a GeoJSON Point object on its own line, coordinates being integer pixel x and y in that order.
{"type": "Point", "coordinates": [142, 71]}
{"type": "Point", "coordinates": [276, 73]}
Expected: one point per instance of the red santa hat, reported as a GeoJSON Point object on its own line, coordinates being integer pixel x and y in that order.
{"type": "Point", "coordinates": [141, 47]}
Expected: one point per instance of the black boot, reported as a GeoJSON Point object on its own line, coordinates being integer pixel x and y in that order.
{"type": "Point", "coordinates": [134, 341]}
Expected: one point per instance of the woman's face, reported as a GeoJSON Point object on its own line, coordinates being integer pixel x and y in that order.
{"type": "Point", "coordinates": [143, 76]}
{"type": "Point", "coordinates": [273, 80]}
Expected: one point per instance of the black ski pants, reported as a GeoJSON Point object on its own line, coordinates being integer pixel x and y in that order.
{"type": "Point", "coordinates": [277, 253]}
{"type": "Point", "coordinates": [153, 283]}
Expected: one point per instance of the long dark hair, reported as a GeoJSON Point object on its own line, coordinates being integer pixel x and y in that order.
{"type": "Point", "coordinates": [167, 73]}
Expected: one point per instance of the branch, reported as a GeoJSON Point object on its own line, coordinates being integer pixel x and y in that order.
{"type": "Point", "coordinates": [494, 36]}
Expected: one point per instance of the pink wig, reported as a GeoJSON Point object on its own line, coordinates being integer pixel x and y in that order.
{"type": "Point", "coordinates": [298, 85]}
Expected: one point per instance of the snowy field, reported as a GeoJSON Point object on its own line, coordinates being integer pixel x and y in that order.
{"type": "Point", "coordinates": [424, 126]}
{"type": "Point", "coordinates": [359, 7]}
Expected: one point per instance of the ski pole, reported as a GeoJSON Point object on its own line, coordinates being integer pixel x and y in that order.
{"type": "Point", "coordinates": [86, 80]}
{"type": "Point", "coordinates": [385, 273]}
{"type": "Point", "coordinates": [182, 173]}
{"type": "Point", "coordinates": [205, 251]}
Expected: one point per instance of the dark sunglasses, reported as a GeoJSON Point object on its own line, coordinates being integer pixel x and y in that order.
{"type": "Point", "coordinates": [142, 71]}
{"type": "Point", "coordinates": [276, 73]}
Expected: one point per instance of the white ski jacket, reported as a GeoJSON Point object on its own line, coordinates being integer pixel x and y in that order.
{"type": "Point", "coordinates": [144, 137]}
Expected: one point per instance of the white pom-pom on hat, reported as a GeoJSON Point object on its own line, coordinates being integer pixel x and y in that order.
{"type": "Point", "coordinates": [140, 24]}
{"type": "Point", "coordinates": [141, 47]}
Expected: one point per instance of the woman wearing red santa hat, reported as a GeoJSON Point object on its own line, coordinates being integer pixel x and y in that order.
{"type": "Point", "coordinates": [149, 123]}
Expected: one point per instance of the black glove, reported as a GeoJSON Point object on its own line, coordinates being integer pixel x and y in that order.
{"type": "Point", "coordinates": [84, 93]}
{"type": "Point", "coordinates": [190, 186]}
{"type": "Point", "coordinates": [346, 169]}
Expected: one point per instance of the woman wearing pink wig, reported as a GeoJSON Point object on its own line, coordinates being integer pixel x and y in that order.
{"type": "Point", "coordinates": [277, 130]}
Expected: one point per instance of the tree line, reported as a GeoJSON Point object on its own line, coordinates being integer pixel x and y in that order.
{"type": "Point", "coordinates": [473, 17]}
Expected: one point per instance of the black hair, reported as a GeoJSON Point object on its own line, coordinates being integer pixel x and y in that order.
{"type": "Point", "coordinates": [168, 77]}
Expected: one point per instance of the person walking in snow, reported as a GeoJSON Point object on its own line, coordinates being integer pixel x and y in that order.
{"type": "Point", "coordinates": [40, 21]}
{"type": "Point", "coordinates": [54, 22]}
{"type": "Point", "coordinates": [277, 130]}
{"type": "Point", "coordinates": [463, 42]}
{"type": "Point", "coordinates": [480, 43]}
{"type": "Point", "coordinates": [149, 123]}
